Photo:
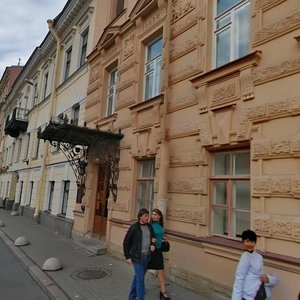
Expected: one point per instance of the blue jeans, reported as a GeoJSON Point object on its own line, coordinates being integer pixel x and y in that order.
{"type": "Point", "coordinates": [137, 290]}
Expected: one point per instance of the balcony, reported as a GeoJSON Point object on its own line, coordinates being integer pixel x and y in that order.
{"type": "Point", "coordinates": [16, 122]}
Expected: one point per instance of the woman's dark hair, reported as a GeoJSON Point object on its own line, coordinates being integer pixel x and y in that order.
{"type": "Point", "coordinates": [143, 211]}
{"type": "Point", "coordinates": [161, 219]}
{"type": "Point", "coordinates": [249, 235]}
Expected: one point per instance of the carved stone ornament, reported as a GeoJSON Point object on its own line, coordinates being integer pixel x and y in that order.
{"type": "Point", "coordinates": [264, 112]}
{"type": "Point", "coordinates": [128, 47]}
{"type": "Point", "coordinates": [261, 4]}
{"type": "Point", "coordinates": [192, 214]}
{"type": "Point", "coordinates": [188, 185]}
{"type": "Point", "coordinates": [262, 225]}
{"type": "Point", "coordinates": [187, 158]}
{"type": "Point", "coordinates": [182, 8]}
{"type": "Point", "coordinates": [285, 25]}
{"type": "Point", "coordinates": [184, 129]}
{"type": "Point", "coordinates": [284, 68]}
{"type": "Point", "coordinates": [185, 23]}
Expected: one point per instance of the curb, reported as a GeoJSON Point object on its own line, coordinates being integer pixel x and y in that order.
{"type": "Point", "coordinates": [36, 273]}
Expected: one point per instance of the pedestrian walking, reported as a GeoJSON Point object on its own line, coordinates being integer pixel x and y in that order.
{"type": "Point", "coordinates": [137, 246]}
{"type": "Point", "coordinates": [157, 260]}
{"type": "Point", "coordinates": [251, 282]}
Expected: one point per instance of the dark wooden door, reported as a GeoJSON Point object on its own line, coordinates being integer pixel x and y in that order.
{"type": "Point", "coordinates": [100, 218]}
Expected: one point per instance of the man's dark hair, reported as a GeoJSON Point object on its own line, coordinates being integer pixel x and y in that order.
{"type": "Point", "coordinates": [143, 211]}
{"type": "Point", "coordinates": [249, 235]}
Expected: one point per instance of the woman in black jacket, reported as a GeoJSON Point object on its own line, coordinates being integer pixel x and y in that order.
{"type": "Point", "coordinates": [137, 245]}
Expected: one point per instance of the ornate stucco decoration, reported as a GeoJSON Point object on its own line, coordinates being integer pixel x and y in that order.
{"type": "Point", "coordinates": [285, 25]}
{"type": "Point", "coordinates": [265, 4]}
{"type": "Point", "coordinates": [187, 158]}
{"type": "Point", "coordinates": [146, 114]}
{"type": "Point", "coordinates": [177, 103]}
{"type": "Point", "coordinates": [185, 23]}
{"type": "Point", "coordinates": [184, 48]}
{"type": "Point", "coordinates": [188, 185]}
{"type": "Point", "coordinates": [128, 46]}
{"type": "Point", "coordinates": [188, 214]}
{"type": "Point", "coordinates": [271, 186]}
{"type": "Point", "coordinates": [226, 85]}
{"type": "Point", "coordinates": [186, 72]}
{"type": "Point", "coordinates": [287, 228]}
{"type": "Point", "coordinates": [128, 64]}
{"type": "Point", "coordinates": [284, 68]}
{"type": "Point", "coordinates": [276, 148]}
{"type": "Point", "coordinates": [182, 8]}
{"type": "Point", "coordinates": [265, 112]}
{"type": "Point", "coordinates": [262, 224]}
{"type": "Point", "coordinates": [184, 129]}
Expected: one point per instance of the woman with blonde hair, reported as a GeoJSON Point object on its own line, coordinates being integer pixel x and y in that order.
{"type": "Point", "coordinates": [157, 260]}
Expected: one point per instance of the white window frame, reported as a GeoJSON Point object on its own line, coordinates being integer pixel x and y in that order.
{"type": "Point", "coordinates": [111, 92]}
{"type": "Point", "coordinates": [83, 46]}
{"type": "Point", "coordinates": [45, 84]}
{"type": "Point", "coordinates": [68, 59]}
{"type": "Point", "coordinates": [155, 72]}
{"type": "Point", "coordinates": [26, 150]}
{"type": "Point", "coordinates": [231, 25]}
{"type": "Point", "coordinates": [19, 149]}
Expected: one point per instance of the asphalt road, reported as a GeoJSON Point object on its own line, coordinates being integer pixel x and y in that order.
{"type": "Point", "coordinates": [15, 282]}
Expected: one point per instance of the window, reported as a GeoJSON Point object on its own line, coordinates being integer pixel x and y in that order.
{"type": "Point", "coordinates": [21, 191]}
{"type": "Point", "coordinates": [68, 63]}
{"type": "Point", "coordinates": [37, 145]}
{"type": "Point", "coordinates": [30, 192]}
{"type": "Point", "coordinates": [66, 189]}
{"type": "Point", "coordinates": [83, 52]}
{"type": "Point", "coordinates": [50, 195]}
{"type": "Point", "coordinates": [12, 153]}
{"type": "Point", "coordinates": [120, 7]}
{"type": "Point", "coordinates": [27, 146]}
{"type": "Point", "coordinates": [230, 193]}
{"type": "Point", "coordinates": [153, 69]}
{"type": "Point", "coordinates": [145, 184]}
{"type": "Point", "coordinates": [117, 7]}
{"type": "Point", "coordinates": [232, 30]}
{"type": "Point", "coordinates": [111, 94]}
{"type": "Point", "coordinates": [45, 85]}
{"type": "Point", "coordinates": [19, 150]}
{"type": "Point", "coordinates": [75, 114]}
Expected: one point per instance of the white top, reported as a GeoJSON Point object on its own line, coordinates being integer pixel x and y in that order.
{"type": "Point", "coordinates": [247, 277]}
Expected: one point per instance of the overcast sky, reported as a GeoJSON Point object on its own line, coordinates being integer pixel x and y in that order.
{"type": "Point", "coordinates": [23, 26]}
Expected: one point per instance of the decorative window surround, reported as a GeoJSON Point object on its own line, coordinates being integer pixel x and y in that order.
{"type": "Point", "coordinates": [225, 85]}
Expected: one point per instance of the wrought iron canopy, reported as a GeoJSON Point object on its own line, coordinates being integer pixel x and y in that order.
{"type": "Point", "coordinates": [75, 141]}
{"type": "Point", "coordinates": [76, 135]}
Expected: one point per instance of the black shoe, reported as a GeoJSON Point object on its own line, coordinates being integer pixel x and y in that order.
{"type": "Point", "coordinates": [163, 296]}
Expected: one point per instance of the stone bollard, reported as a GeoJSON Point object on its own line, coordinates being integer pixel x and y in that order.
{"type": "Point", "coordinates": [52, 264]}
{"type": "Point", "coordinates": [21, 241]}
{"type": "Point", "coordinates": [2, 223]}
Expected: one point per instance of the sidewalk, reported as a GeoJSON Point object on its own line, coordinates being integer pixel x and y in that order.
{"type": "Point", "coordinates": [112, 276]}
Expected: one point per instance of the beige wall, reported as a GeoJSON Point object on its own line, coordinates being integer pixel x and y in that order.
{"type": "Point", "coordinates": [252, 102]}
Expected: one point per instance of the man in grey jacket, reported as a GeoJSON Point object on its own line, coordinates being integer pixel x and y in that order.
{"type": "Point", "coordinates": [137, 246]}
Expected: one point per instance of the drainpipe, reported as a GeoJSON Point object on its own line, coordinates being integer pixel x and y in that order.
{"type": "Point", "coordinates": [164, 159]}
{"type": "Point", "coordinates": [53, 100]}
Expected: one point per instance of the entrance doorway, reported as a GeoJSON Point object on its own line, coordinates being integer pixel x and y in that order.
{"type": "Point", "coordinates": [100, 218]}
